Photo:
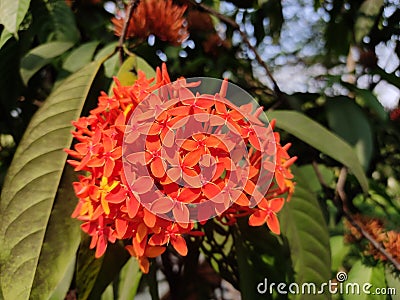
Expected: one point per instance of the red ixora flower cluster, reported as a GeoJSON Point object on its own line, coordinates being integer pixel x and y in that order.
{"type": "Point", "coordinates": [111, 203]}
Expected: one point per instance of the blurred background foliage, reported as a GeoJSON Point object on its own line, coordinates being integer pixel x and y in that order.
{"type": "Point", "coordinates": [335, 61]}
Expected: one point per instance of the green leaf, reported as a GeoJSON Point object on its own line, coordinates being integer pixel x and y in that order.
{"type": "Point", "coordinates": [368, 12]}
{"type": "Point", "coordinates": [339, 251]}
{"type": "Point", "coordinates": [129, 279]}
{"type": "Point", "coordinates": [12, 13]}
{"type": "Point", "coordinates": [260, 255]}
{"type": "Point", "coordinates": [31, 186]}
{"type": "Point", "coordinates": [40, 56]}
{"type": "Point", "coordinates": [112, 64]}
{"type": "Point", "coordinates": [5, 36]}
{"type": "Point", "coordinates": [327, 175]}
{"type": "Point", "coordinates": [57, 257]}
{"type": "Point", "coordinates": [321, 139]}
{"type": "Point", "coordinates": [127, 73]}
{"type": "Point", "coordinates": [62, 288]}
{"type": "Point", "coordinates": [348, 120]}
{"type": "Point", "coordinates": [303, 224]}
{"type": "Point", "coordinates": [106, 51]}
{"type": "Point", "coordinates": [108, 293]}
{"type": "Point", "coordinates": [94, 275]}
{"type": "Point", "coordinates": [361, 275]}
{"type": "Point", "coordinates": [80, 57]}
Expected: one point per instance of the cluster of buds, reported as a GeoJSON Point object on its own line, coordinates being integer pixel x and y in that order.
{"type": "Point", "coordinates": [160, 158]}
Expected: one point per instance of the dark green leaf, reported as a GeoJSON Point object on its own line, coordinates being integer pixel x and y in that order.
{"type": "Point", "coordinates": [40, 56]}
{"type": "Point", "coordinates": [218, 248]}
{"type": "Point", "coordinates": [260, 255]}
{"type": "Point", "coordinates": [58, 22]}
{"type": "Point", "coordinates": [348, 120]}
{"type": "Point", "coordinates": [303, 223]}
{"type": "Point", "coordinates": [94, 275]}
{"type": "Point", "coordinates": [12, 13]}
{"type": "Point", "coordinates": [321, 139]}
{"type": "Point", "coordinates": [361, 274]}
{"type": "Point", "coordinates": [31, 186]}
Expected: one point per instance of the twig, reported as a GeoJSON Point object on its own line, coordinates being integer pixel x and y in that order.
{"type": "Point", "coordinates": [371, 239]}
{"type": "Point", "coordinates": [319, 175]}
{"type": "Point", "coordinates": [279, 94]}
{"type": "Point", "coordinates": [340, 192]}
{"type": "Point", "coordinates": [131, 8]}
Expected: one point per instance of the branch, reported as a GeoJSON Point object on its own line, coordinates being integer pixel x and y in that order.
{"type": "Point", "coordinates": [279, 94]}
{"type": "Point", "coordinates": [340, 192]}
{"type": "Point", "coordinates": [131, 8]}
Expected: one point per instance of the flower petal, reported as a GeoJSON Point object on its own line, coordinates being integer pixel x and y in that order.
{"type": "Point", "coordinates": [258, 218]}
{"type": "Point", "coordinates": [154, 251]}
{"type": "Point", "coordinates": [142, 185]}
{"type": "Point", "coordinates": [179, 244]}
{"type": "Point", "coordinates": [273, 223]}
{"type": "Point", "coordinates": [162, 205]}
{"type": "Point", "coordinates": [276, 204]}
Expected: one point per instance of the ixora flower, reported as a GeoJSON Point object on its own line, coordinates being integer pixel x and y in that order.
{"type": "Point", "coordinates": [161, 18]}
{"type": "Point", "coordinates": [160, 158]}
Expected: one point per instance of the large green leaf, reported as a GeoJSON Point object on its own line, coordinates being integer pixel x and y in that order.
{"type": "Point", "coordinates": [57, 258]}
{"type": "Point", "coordinates": [348, 120]}
{"type": "Point", "coordinates": [12, 13]}
{"type": "Point", "coordinates": [321, 139]}
{"type": "Point", "coordinates": [31, 186]}
{"type": "Point", "coordinates": [262, 258]}
{"type": "Point", "coordinates": [359, 277]}
{"type": "Point", "coordinates": [303, 223]}
{"type": "Point", "coordinates": [40, 56]}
